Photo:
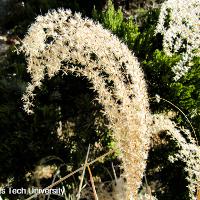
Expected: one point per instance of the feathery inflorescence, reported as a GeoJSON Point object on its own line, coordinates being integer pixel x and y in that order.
{"type": "Point", "coordinates": [62, 41]}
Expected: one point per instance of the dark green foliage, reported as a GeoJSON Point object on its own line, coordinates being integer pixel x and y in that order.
{"type": "Point", "coordinates": [147, 42]}
{"type": "Point", "coordinates": [186, 93]}
{"type": "Point", "coordinates": [157, 71]}
{"type": "Point", "coordinates": [114, 20]}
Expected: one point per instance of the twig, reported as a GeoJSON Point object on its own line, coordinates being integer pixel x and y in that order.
{"type": "Point", "coordinates": [83, 174]}
{"type": "Point", "coordinates": [194, 133]}
{"type": "Point", "coordinates": [54, 178]}
{"type": "Point", "coordinates": [114, 173]}
{"type": "Point", "coordinates": [148, 188]}
{"type": "Point", "coordinates": [92, 182]}
{"type": "Point", "coordinates": [74, 172]}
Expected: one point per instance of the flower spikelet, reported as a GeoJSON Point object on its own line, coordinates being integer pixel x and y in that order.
{"type": "Point", "coordinates": [62, 41]}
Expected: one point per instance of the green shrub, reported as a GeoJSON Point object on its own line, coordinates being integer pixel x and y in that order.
{"type": "Point", "coordinates": [114, 20]}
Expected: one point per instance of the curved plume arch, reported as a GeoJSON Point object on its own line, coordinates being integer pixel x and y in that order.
{"type": "Point", "coordinates": [61, 41]}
